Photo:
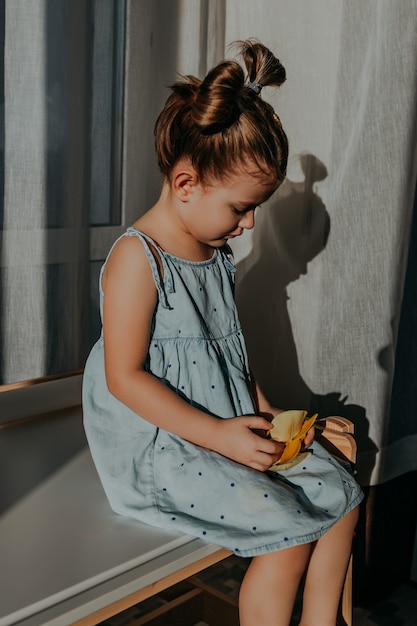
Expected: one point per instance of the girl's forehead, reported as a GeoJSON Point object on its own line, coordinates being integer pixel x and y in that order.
{"type": "Point", "coordinates": [250, 183]}
{"type": "Point", "coordinates": [245, 173]}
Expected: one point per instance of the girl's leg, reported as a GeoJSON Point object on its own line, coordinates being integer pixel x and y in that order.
{"type": "Point", "coordinates": [326, 573]}
{"type": "Point", "coordinates": [268, 590]}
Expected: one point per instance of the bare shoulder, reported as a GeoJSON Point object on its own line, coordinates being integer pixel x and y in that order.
{"type": "Point", "coordinates": [127, 261]}
{"type": "Point", "coordinates": [130, 297]}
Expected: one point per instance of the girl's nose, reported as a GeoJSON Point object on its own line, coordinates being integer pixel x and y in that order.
{"type": "Point", "coordinates": [248, 220]}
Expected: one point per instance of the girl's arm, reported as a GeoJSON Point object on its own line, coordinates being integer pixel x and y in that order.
{"type": "Point", "coordinates": [129, 302]}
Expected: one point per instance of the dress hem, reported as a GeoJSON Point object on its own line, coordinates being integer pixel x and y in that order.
{"type": "Point", "coordinates": [296, 541]}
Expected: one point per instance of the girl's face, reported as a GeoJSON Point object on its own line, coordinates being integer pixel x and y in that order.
{"type": "Point", "coordinates": [222, 210]}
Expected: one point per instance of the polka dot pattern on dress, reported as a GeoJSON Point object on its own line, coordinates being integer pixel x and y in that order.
{"type": "Point", "coordinates": [194, 491]}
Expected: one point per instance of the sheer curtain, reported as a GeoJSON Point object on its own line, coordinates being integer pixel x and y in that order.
{"type": "Point", "coordinates": [326, 281]}
{"type": "Point", "coordinates": [44, 145]}
{"type": "Point", "coordinates": [60, 123]}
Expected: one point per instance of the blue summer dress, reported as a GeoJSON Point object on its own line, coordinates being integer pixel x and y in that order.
{"type": "Point", "coordinates": [198, 350]}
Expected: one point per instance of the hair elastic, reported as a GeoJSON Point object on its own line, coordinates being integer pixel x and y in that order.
{"type": "Point", "coordinates": [256, 87]}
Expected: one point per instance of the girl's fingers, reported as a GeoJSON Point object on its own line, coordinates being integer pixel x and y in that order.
{"type": "Point", "coordinates": [273, 449]}
{"type": "Point", "coordinates": [255, 422]}
{"type": "Point", "coordinates": [264, 461]}
{"type": "Point", "coordinates": [244, 441]}
{"type": "Point", "coordinates": [309, 438]}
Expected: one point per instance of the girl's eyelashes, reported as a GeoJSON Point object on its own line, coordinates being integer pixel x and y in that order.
{"type": "Point", "coordinates": [246, 210]}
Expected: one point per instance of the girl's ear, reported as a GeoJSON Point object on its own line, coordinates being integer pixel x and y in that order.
{"type": "Point", "coordinates": [184, 182]}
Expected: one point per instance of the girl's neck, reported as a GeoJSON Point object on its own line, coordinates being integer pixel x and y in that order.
{"type": "Point", "coordinates": [163, 224]}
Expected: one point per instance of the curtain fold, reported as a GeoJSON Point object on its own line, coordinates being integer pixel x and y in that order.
{"type": "Point", "coordinates": [374, 153]}
{"type": "Point", "coordinates": [24, 194]}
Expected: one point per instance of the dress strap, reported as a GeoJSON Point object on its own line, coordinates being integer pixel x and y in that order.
{"type": "Point", "coordinates": [166, 285]}
{"type": "Point", "coordinates": [228, 258]}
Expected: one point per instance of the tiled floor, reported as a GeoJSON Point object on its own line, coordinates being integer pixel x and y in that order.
{"type": "Point", "coordinates": [398, 609]}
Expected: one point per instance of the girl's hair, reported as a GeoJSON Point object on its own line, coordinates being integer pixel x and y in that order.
{"type": "Point", "coordinates": [221, 123]}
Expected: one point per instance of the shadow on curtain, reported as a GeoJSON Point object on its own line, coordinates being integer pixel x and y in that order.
{"type": "Point", "coordinates": [288, 235]}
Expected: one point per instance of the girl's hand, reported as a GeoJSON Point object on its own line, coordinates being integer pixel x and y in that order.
{"type": "Point", "coordinates": [236, 439]}
{"type": "Point", "coordinates": [309, 438]}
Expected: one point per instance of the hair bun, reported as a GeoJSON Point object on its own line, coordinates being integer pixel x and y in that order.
{"type": "Point", "coordinates": [221, 124]}
{"type": "Point", "coordinates": [262, 66]}
{"type": "Point", "coordinates": [216, 104]}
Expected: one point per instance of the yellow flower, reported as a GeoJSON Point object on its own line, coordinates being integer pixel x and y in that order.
{"type": "Point", "coordinates": [290, 427]}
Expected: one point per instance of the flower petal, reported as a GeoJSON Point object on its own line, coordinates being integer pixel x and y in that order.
{"type": "Point", "coordinates": [286, 425]}
{"type": "Point", "coordinates": [306, 426]}
{"type": "Point", "coordinates": [281, 467]}
{"type": "Point", "coordinates": [294, 426]}
{"type": "Point", "coordinates": [292, 448]}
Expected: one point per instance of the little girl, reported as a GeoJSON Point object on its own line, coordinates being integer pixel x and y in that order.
{"type": "Point", "coordinates": [172, 412]}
